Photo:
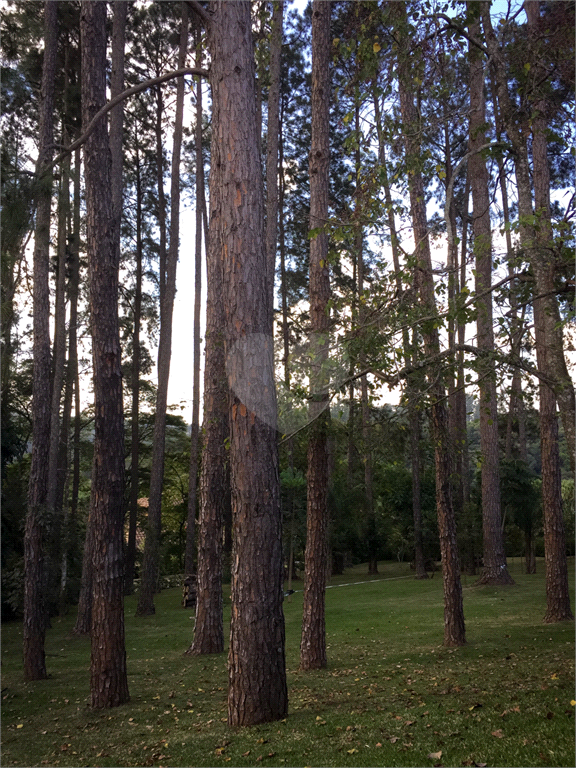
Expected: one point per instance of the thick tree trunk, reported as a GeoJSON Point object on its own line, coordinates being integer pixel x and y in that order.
{"type": "Point", "coordinates": [190, 555]}
{"type": "Point", "coordinates": [256, 661]}
{"type": "Point", "coordinates": [313, 640]}
{"type": "Point", "coordinates": [454, 628]}
{"type": "Point", "coordinates": [272, 140]}
{"type": "Point", "coordinates": [151, 560]}
{"type": "Point", "coordinates": [108, 676]}
{"type": "Point", "coordinates": [34, 534]}
{"type": "Point", "coordinates": [495, 570]}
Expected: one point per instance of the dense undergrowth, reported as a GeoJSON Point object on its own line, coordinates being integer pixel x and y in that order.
{"type": "Point", "coordinates": [391, 695]}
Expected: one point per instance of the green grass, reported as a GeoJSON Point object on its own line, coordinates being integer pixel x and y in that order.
{"type": "Point", "coordinates": [391, 695]}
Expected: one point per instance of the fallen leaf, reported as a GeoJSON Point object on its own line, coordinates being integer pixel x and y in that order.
{"type": "Point", "coordinates": [20, 725]}
{"type": "Point", "coordinates": [434, 755]}
{"type": "Point", "coordinates": [394, 739]}
{"type": "Point", "coordinates": [498, 734]}
{"type": "Point", "coordinates": [378, 745]}
{"type": "Point", "coordinates": [409, 722]}
{"type": "Point", "coordinates": [245, 754]}
{"type": "Point", "coordinates": [352, 751]}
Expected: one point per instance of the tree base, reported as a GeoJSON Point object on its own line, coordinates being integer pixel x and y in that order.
{"type": "Point", "coordinates": [497, 576]}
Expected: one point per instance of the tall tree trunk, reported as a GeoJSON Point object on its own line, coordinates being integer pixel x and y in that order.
{"type": "Point", "coordinates": [150, 564]}
{"type": "Point", "coordinates": [313, 640]}
{"type": "Point", "coordinates": [454, 628]}
{"type": "Point", "coordinates": [190, 556]}
{"type": "Point", "coordinates": [273, 134]}
{"type": "Point", "coordinates": [257, 689]}
{"type": "Point", "coordinates": [495, 570]}
{"type": "Point", "coordinates": [108, 675]}
{"type": "Point", "coordinates": [135, 386]}
{"type": "Point", "coordinates": [409, 353]}
{"type": "Point", "coordinates": [557, 593]}
{"type": "Point", "coordinates": [548, 333]}
{"type": "Point", "coordinates": [34, 534]}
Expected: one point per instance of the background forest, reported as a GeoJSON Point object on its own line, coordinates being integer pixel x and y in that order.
{"type": "Point", "coordinates": [417, 267]}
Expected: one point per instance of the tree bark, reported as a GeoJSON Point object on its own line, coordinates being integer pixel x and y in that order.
{"type": "Point", "coordinates": [454, 628]}
{"type": "Point", "coordinates": [214, 483]}
{"type": "Point", "coordinates": [257, 689]}
{"type": "Point", "coordinates": [151, 564]}
{"type": "Point", "coordinates": [108, 675]}
{"type": "Point", "coordinates": [313, 639]}
{"type": "Point", "coordinates": [135, 386]}
{"type": "Point", "coordinates": [495, 570]}
{"type": "Point", "coordinates": [557, 592]}
{"type": "Point", "coordinates": [190, 556]}
{"type": "Point", "coordinates": [34, 534]}
{"type": "Point", "coordinates": [548, 333]}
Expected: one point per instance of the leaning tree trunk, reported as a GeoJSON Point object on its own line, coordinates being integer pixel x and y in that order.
{"type": "Point", "coordinates": [454, 628]}
{"type": "Point", "coordinates": [313, 640]}
{"type": "Point", "coordinates": [34, 534]}
{"type": "Point", "coordinates": [256, 661]}
{"type": "Point", "coordinates": [151, 559]}
{"type": "Point", "coordinates": [108, 675]}
{"type": "Point", "coordinates": [495, 570]}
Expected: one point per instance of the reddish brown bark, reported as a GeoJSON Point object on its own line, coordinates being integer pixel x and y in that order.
{"type": "Point", "coordinates": [256, 661]}
{"type": "Point", "coordinates": [108, 675]}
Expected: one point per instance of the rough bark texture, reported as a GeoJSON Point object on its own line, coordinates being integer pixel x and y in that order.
{"type": "Point", "coordinates": [454, 629]}
{"type": "Point", "coordinates": [495, 570]}
{"type": "Point", "coordinates": [313, 640]}
{"type": "Point", "coordinates": [34, 623]}
{"type": "Point", "coordinates": [108, 676]}
{"type": "Point", "coordinates": [256, 661]}
{"type": "Point", "coordinates": [557, 593]}
{"type": "Point", "coordinates": [150, 563]}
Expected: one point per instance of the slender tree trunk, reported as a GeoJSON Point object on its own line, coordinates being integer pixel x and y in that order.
{"type": "Point", "coordinates": [151, 564]}
{"type": "Point", "coordinates": [313, 640]}
{"type": "Point", "coordinates": [190, 557]}
{"type": "Point", "coordinates": [135, 386]}
{"type": "Point", "coordinates": [34, 534]}
{"type": "Point", "coordinates": [409, 353]}
{"type": "Point", "coordinates": [257, 689]}
{"type": "Point", "coordinates": [495, 570]}
{"type": "Point", "coordinates": [108, 675]}
{"type": "Point", "coordinates": [273, 134]}
{"type": "Point", "coordinates": [454, 628]}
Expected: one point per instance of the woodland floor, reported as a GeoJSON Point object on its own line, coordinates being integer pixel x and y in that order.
{"type": "Point", "coordinates": [391, 695]}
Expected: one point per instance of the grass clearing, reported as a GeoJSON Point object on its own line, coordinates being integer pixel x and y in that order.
{"type": "Point", "coordinates": [391, 695]}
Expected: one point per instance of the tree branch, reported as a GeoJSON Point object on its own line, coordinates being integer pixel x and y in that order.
{"type": "Point", "coordinates": [121, 97]}
{"type": "Point", "coordinates": [200, 11]}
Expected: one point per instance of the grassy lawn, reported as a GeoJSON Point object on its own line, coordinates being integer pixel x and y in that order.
{"type": "Point", "coordinates": [391, 695]}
